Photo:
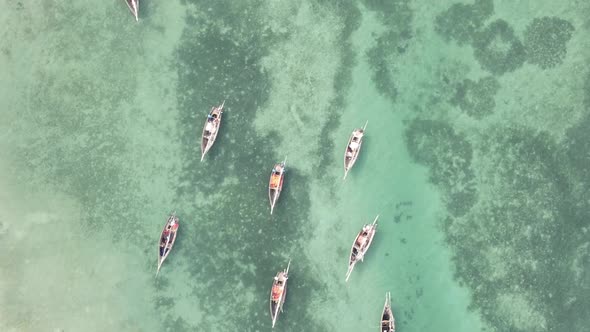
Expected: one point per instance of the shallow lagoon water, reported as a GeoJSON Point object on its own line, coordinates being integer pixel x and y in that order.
{"type": "Point", "coordinates": [475, 159]}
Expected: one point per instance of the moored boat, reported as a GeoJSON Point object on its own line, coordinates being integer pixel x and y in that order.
{"type": "Point", "coordinates": [361, 244]}
{"type": "Point", "coordinates": [275, 184]}
{"type": "Point", "coordinates": [278, 293]}
{"type": "Point", "coordinates": [133, 7]}
{"type": "Point", "coordinates": [353, 148]}
{"type": "Point", "coordinates": [167, 239]}
{"type": "Point", "coordinates": [211, 129]}
{"type": "Point", "coordinates": [387, 320]}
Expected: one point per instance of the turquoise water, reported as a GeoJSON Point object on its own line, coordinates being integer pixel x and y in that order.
{"type": "Point", "coordinates": [475, 158]}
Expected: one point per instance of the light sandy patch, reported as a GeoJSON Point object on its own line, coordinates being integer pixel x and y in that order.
{"type": "Point", "coordinates": [51, 268]}
{"type": "Point", "coordinates": [302, 70]}
{"type": "Point", "coordinates": [516, 308]}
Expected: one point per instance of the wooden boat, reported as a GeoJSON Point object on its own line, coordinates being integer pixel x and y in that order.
{"type": "Point", "coordinates": [133, 7]}
{"type": "Point", "coordinates": [353, 148]}
{"type": "Point", "coordinates": [278, 293]}
{"type": "Point", "coordinates": [167, 239]}
{"type": "Point", "coordinates": [211, 129]}
{"type": "Point", "coordinates": [361, 244]}
{"type": "Point", "coordinates": [387, 320]}
{"type": "Point", "coordinates": [275, 184]}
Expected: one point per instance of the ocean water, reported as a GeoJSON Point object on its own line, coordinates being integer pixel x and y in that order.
{"type": "Point", "coordinates": [475, 158]}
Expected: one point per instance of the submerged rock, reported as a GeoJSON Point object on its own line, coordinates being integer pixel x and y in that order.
{"type": "Point", "coordinates": [461, 22]}
{"type": "Point", "coordinates": [545, 41]}
{"type": "Point", "coordinates": [476, 98]}
{"type": "Point", "coordinates": [497, 49]}
{"type": "Point", "coordinates": [448, 154]}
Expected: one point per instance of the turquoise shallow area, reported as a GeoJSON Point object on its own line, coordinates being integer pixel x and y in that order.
{"type": "Point", "coordinates": [475, 158]}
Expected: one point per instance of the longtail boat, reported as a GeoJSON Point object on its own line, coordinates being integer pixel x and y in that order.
{"type": "Point", "coordinates": [278, 293]}
{"type": "Point", "coordinates": [275, 184]}
{"type": "Point", "coordinates": [167, 239]}
{"type": "Point", "coordinates": [353, 148]}
{"type": "Point", "coordinates": [133, 7]}
{"type": "Point", "coordinates": [211, 129]}
{"type": "Point", "coordinates": [361, 244]}
{"type": "Point", "coordinates": [387, 320]}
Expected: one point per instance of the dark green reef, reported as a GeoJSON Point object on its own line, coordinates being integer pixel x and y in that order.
{"type": "Point", "coordinates": [517, 198]}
